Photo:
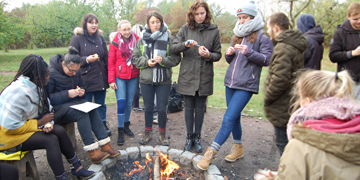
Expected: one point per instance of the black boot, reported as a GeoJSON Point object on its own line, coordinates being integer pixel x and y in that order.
{"type": "Point", "coordinates": [78, 170]}
{"type": "Point", "coordinates": [120, 140]}
{"type": "Point", "coordinates": [107, 130]}
{"type": "Point", "coordinates": [197, 145]}
{"type": "Point", "coordinates": [127, 130]}
{"type": "Point", "coordinates": [189, 142]}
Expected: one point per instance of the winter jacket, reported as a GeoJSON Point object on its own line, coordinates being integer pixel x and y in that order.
{"type": "Point", "coordinates": [94, 75]}
{"type": "Point", "coordinates": [244, 70]}
{"type": "Point", "coordinates": [117, 63]}
{"type": "Point", "coordinates": [286, 59]}
{"type": "Point", "coordinates": [320, 155]}
{"type": "Point", "coordinates": [19, 110]}
{"type": "Point", "coordinates": [344, 40]}
{"type": "Point", "coordinates": [197, 72]}
{"type": "Point", "coordinates": [314, 52]}
{"type": "Point", "coordinates": [59, 84]}
{"type": "Point", "coordinates": [146, 72]}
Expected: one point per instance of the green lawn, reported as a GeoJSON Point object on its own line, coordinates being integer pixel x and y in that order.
{"type": "Point", "coordinates": [10, 62]}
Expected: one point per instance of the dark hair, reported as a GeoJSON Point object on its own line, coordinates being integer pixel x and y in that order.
{"type": "Point", "coordinates": [72, 56]}
{"type": "Point", "coordinates": [88, 18]}
{"type": "Point", "coordinates": [279, 19]}
{"type": "Point", "coordinates": [34, 67]}
{"type": "Point", "coordinates": [237, 40]}
{"type": "Point", "coordinates": [190, 14]}
{"type": "Point", "coordinates": [155, 14]}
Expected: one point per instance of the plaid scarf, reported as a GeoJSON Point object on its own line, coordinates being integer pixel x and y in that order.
{"type": "Point", "coordinates": [126, 47]}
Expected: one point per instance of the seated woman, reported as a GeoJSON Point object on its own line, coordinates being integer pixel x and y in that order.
{"type": "Point", "coordinates": [26, 119]}
{"type": "Point", "coordinates": [66, 90]}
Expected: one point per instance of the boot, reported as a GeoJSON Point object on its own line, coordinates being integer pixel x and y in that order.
{"type": "Point", "coordinates": [163, 139]}
{"type": "Point", "coordinates": [127, 129]}
{"type": "Point", "coordinates": [107, 130]}
{"type": "Point", "coordinates": [63, 176]}
{"type": "Point", "coordinates": [95, 154]}
{"type": "Point", "coordinates": [146, 137]}
{"type": "Point", "coordinates": [78, 170]}
{"type": "Point", "coordinates": [197, 143]}
{"type": "Point", "coordinates": [120, 140]}
{"type": "Point", "coordinates": [206, 159]}
{"type": "Point", "coordinates": [106, 147]}
{"type": "Point", "coordinates": [237, 152]}
{"type": "Point", "coordinates": [189, 142]}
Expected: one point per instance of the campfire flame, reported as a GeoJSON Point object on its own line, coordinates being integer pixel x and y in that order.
{"type": "Point", "coordinates": [167, 166]}
{"type": "Point", "coordinates": [140, 167]}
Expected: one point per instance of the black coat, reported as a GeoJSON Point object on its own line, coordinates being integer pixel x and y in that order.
{"type": "Point", "coordinates": [59, 84]}
{"type": "Point", "coordinates": [314, 53]}
{"type": "Point", "coordinates": [94, 75]}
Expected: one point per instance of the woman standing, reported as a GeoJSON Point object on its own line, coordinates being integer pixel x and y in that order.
{"type": "Point", "coordinates": [123, 76]}
{"type": "Point", "coordinates": [26, 119]}
{"type": "Point", "coordinates": [151, 56]}
{"type": "Point", "coordinates": [196, 70]}
{"type": "Point", "coordinates": [94, 62]}
{"type": "Point", "coordinates": [250, 50]}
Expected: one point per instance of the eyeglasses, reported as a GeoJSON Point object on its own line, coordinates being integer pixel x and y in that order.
{"type": "Point", "coordinates": [72, 71]}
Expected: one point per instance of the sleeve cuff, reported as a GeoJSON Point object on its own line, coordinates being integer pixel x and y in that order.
{"type": "Point", "coordinates": [348, 55]}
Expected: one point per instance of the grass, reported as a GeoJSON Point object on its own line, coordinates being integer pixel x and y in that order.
{"type": "Point", "coordinates": [10, 62]}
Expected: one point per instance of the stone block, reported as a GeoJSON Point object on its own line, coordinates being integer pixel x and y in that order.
{"type": "Point", "coordinates": [133, 153]}
{"type": "Point", "coordinates": [174, 154]}
{"type": "Point", "coordinates": [195, 161]}
{"type": "Point", "coordinates": [186, 157]}
{"type": "Point", "coordinates": [98, 176]}
{"type": "Point", "coordinates": [214, 177]}
{"type": "Point", "coordinates": [162, 149]}
{"type": "Point", "coordinates": [124, 156]}
{"type": "Point", "coordinates": [146, 149]}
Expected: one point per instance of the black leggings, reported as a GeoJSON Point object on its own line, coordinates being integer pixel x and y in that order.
{"type": "Point", "coordinates": [55, 143]}
{"type": "Point", "coordinates": [8, 172]}
{"type": "Point", "coordinates": [196, 103]}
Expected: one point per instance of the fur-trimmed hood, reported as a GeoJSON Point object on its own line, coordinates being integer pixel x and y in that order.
{"type": "Point", "coordinates": [80, 31]}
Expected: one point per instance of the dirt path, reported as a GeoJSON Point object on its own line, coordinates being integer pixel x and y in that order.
{"type": "Point", "coordinates": [257, 140]}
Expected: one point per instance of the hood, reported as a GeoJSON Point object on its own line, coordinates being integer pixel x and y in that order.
{"type": "Point", "coordinates": [112, 35]}
{"type": "Point", "coordinates": [345, 146]}
{"type": "Point", "coordinates": [80, 31]}
{"type": "Point", "coordinates": [55, 63]}
{"type": "Point", "coordinates": [305, 22]}
{"type": "Point", "coordinates": [346, 26]}
{"type": "Point", "coordinates": [294, 38]}
{"type": "Point", "coordinates": [316, 33]}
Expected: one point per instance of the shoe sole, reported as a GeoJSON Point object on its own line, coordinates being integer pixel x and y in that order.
{"type": "Point", "coordinates": [98, 162]}
{"type": "Point", "coordinates": [143, 142]}
{"type": "Point", "coordinates": [228, 160]}
{"type": "Point", "coordinates": [201, 168]}
{"type": "Point", "coordinates": [115, 155]}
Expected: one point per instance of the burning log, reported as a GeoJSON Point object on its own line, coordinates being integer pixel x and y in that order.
{"type": "Point", "coordinates": [157, 172]}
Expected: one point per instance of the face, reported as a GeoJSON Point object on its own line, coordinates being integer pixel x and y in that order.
{"type": "Point", "coordinates": [47, 76]}
{"type": "Point", "coordinates": [200, 15]}
{"type": "Point", "coordinates": [242, 18]}
{"type": "Point", "coordinates": [355, 21]}
{"type": "Point", "coordinates": [270, 31]}
{"type": "Point", "coordinates": [70, 69]}
{"type": "Point", "coordinates": [125, 30]}
{"type": "Point", "coordinates": [154, 24]}
{"type": "Point", "coordinates": [92, 26]}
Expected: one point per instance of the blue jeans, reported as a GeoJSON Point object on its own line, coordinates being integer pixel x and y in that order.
{"type": "Point", "coordinates": [125, 92]}
{"type": "Point", "coordinates": [236, 100]}
{"type": "Point", "coordinates": [162, 95]}
{"type": "Point", "coordinates": [99, 98]}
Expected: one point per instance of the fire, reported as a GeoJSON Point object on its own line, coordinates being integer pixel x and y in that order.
{"type": "Point", "coordinates": [140, 167]}
{"type": "Point", "coordinates": [167, 166]}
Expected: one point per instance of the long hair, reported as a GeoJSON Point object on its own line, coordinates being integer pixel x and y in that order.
{"type": "Point", "coordinates": [316, 84]}
{"type": "Point", "coordinates": [190, 14]}
{"type": "Point", "coordinates": [155, 14]}
{"type": "Point", "coordinates": [87, 19]}
{"type": "Point", "coordinates": [34, 67]}
{"type": "Point", "coordinates": [237, 40]}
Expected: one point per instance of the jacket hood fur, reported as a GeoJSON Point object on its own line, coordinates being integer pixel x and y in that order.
{"type": "Point", "coordinates": [80, 31]}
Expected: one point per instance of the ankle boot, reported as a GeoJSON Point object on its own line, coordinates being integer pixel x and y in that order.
{"type": "Point", "coordinates": [78, 170]}
{"type": "Point", "coordinates": [237, 151]}
{"type": "Point", "coordinates": [206, 159]}
{"type": "Point", "coordinates": [95, 154]}
{"type": "Point", "coordinates": [127, 130]}
{"type": "Point", "coordinates": [63, 176]}
{"type": "Point", "coordinates": [189, 142]}
{"type": "Point", "coordinates": [106, 147]}
{"type": "Point", "coordinates": [146, 137]}
{"type": "Point", "coordinates": [107, 130]}
{"type": "Point", "coordinates": [163, 139]}
{"type": "Point", "coordinates": [120, 140]}
{"type": "Point", "coordinates": [197, 143]}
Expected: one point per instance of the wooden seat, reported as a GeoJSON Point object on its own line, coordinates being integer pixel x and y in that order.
{"type": "Point", "coordinates": [26, 166]}
{"type": "Point", "coordinates": [70, 130]}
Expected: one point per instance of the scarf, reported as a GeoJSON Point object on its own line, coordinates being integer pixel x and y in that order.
{"type": "Point", "coordinates": [127, 47]}
{"type": "Point", "coordinates": [156, 45]}
{"type": "Point", "coordinates": [242, 30]}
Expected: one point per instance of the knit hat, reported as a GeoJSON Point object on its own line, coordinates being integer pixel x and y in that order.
{"type": "Point", "coordinates": [247, 8]}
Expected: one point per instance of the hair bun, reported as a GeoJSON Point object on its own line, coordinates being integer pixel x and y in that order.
{"type": "Point", "coordinates": [73, 50]}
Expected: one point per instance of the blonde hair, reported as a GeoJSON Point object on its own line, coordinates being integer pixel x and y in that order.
{"type": "Point", "coordinates": [123, 22]}
{"type": "Point", "coordinates": [353, 9]}
{"type": "Point", "coordinates": [316, 84]}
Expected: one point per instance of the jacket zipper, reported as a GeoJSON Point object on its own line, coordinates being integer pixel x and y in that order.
{"type": "Point", "coordinates": [252, 72]}
{"type": "Point", "coordinates": [233, 72]}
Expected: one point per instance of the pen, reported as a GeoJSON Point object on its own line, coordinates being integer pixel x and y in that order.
{"type": "Point", "coordinates": [189, 42]}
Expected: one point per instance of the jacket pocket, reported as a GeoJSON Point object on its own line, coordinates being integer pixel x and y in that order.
{"type": "Point", "coordinates": [85, 69]}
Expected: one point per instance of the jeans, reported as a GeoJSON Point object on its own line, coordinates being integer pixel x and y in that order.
{"type": "Point", "coordinates": [125, 94]}
{"type": "Point", "coordinates": [162, 92]}
{"type": "Point", "coordinates": [281, 139]}
{"type": "Point", "coordinates": [236, 100]}
{"type": "Point", "coordinates": [99, 98]}
{"type": "Point", "coordinates": [196, 103]}
{"type": "Point", "coordinates": [86, 123]}
{"type": "Point", "coordinates": [136, 96]}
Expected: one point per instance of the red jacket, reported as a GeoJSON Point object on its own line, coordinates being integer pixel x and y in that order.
{"type": "Point", "coordinates": [115, 61]}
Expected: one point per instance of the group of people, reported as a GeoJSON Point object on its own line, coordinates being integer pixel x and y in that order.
{"type": "Point", "coordinates": [322, 105]}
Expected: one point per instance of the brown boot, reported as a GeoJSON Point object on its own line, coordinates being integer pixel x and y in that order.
{"type": "Point", "coordinates": [237, 152]}
{"type": "Point", "coordinates": [206, 160]}
{"type": "Point", "coordinates": [162, 136]}
{"type": "Point", "coordinates": [95, 154]}
{"type": "Point", "coordinates": [106, 147]}
{"type": "Point", "coordinates": [146, 137]}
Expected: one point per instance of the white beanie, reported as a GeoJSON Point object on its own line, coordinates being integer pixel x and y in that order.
{"type": "Point", "coordinates": [248, 8]}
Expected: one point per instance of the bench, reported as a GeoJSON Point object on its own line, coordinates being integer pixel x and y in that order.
{"type": "Point", "coordinates": [70, 130]}
{"type": "Point", "coordinates": [26, 166]}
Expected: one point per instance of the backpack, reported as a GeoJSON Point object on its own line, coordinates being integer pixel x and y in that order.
{"type": "Point", "coordinates": [175, 101]}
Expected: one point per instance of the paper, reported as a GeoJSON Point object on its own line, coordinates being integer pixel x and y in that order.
{"type": "Point", "coordinates": [86, 106]}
